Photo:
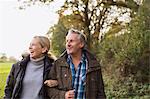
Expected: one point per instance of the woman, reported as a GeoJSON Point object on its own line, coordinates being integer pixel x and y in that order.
{"type": "Point", "coordinates": [26, 78]}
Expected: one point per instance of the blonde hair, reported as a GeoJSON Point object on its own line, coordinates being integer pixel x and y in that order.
{"type": "Point", "coordinates": [44, 42]}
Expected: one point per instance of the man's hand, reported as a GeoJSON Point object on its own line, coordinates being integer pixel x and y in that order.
{"type": "Point", "coordinates": [70, 94]}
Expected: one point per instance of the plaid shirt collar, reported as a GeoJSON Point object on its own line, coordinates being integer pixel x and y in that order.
{"type": "Point", "coordinates": [78, 76]}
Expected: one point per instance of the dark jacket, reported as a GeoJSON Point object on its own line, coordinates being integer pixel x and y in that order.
{"type": "Point", "coordinates": [14, 81]}
{"type": "Point", "coordinates": [61, 71]}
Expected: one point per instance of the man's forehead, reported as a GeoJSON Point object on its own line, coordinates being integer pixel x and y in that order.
{"type": "Point", "coordinates": [72, 35]}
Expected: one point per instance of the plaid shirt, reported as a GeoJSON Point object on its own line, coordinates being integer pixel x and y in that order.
{"type": "Point", "coordinates": [78, 77]}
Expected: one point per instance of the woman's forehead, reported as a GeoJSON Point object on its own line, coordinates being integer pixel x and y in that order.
{"type": "Point", "coordinates": [35, 40]}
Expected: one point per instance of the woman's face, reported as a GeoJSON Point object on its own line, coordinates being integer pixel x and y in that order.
{"type": "Point", "coordinates": [35, 48]}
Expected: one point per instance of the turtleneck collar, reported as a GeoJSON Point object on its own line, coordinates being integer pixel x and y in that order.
{"type": "Point", "coordinates": [38, 61]}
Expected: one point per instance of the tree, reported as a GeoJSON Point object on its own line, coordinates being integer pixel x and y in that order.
{"type": "Point", "coordinates": [95, 17]}
{"type": "Point", "coordinates": [125, 58]}
{"type": "Point", "coordinates": [12, 59]}
{"type": "Point", "coordinates": [58, 33]}
{"type": "Point", "coordinates": [3, 57]}
{"type": "Point", "coordinates": [124, 55]}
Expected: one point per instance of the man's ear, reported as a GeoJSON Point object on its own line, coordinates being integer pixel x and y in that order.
{"type": "Point", "coordinates": [81, 45]}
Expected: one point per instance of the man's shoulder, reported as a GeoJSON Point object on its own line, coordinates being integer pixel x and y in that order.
{"type": "Point", "coordinates": [60, 59]}
{"type": "Point", "coordinates": [90, 55]}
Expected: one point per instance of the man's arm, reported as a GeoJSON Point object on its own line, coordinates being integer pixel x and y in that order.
{"type": "Point", "coordinates": [55, 92]}
{"type": "Point", "coordinates": [100, 84]}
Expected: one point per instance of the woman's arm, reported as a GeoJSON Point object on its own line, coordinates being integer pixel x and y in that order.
{"type": "Point", "coordinates": [51, 83]}
{"type": "Point", "coordinates": [9, 84]}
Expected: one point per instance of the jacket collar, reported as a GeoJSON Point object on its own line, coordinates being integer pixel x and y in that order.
{"type": "Point", "coordinates": [47, 61]}
{"type": "Point", "coordinates": [24, 62]}
{"type": "Point", "coordinates": [92, 61]}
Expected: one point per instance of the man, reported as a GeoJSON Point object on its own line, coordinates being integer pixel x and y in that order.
{"type": "Point", "coordinates": [77, 71]}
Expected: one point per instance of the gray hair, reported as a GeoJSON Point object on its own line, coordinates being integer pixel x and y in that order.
{"type": "Point", "coordinates": [82, 36]}
{"type": "Point", "coordinates": [44, 42]}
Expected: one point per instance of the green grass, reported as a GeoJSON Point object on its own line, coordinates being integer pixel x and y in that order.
{"type": "Point", "coordinates": [4, 70]}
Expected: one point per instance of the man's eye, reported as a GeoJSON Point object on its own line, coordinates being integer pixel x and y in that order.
{"type": "Point", "coordinates": [71, 40]}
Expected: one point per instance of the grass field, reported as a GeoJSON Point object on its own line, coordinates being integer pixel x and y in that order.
{"type": "Point", "coordinates": [4, 70]}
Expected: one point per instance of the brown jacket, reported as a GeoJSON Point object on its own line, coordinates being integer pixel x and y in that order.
{"type": "Point", "coordinates": [61, 71]}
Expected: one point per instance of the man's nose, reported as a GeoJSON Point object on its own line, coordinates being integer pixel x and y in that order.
{"type": "Point", "coordinates": [68, 44]}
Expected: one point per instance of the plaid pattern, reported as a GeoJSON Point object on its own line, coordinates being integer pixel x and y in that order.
{"type": "Point", "coordinates": [78, 77]}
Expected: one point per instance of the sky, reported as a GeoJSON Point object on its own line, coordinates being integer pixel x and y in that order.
{"type": "Point", "coordinates": [18, 27]}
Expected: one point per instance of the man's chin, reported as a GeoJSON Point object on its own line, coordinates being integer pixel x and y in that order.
{"type": "Point", "coordinates": [68, 52]}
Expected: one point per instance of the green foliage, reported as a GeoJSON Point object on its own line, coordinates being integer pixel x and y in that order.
{"type": "Point", "coordinates": [93, 17]}
{"type": "Point", "coordinates": [58, 38]}
{"type": "Point", "coordinates": [4, 70]}
{"type": "Point", "coordinates": [3, 77]}
{"type": "Point", "coordinates": [125, 59]}
{"type": "Point", "coordinates": [128, 89]}
{"type": "Point", "coordinates": [3, 57]}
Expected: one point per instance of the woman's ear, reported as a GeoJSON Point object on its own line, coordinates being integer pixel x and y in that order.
{"type": "Point", "coordinates": [44, 49]}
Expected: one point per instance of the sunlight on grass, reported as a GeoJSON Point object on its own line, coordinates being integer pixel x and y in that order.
{"type": "Point", "coordinates": [4, 70]}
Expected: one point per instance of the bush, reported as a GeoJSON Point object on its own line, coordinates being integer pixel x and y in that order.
{"type": "Point", "coordinates": [125, 59]}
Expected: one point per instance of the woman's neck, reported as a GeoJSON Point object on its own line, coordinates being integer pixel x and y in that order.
{"type": "Point", "coordinates": [37, 61]}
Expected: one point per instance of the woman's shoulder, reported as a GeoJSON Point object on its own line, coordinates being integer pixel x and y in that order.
{"type": "Point", "coordinates": [52, 56]}
{"type": "Point", "coordinates": [15, 66]}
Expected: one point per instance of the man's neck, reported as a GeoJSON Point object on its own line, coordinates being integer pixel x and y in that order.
{"type": "Point", "coordinates": [76, 59]}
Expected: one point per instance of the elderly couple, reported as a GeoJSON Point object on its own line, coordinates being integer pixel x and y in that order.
{"type": "Point", "coordinates": [76, 74]}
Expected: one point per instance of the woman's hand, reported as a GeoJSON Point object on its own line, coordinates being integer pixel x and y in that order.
{"type": "Point", "coordinates": [51, 83]}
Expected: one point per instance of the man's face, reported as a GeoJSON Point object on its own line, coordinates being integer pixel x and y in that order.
{"type": "Point", "coordinates": [73, 43]}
